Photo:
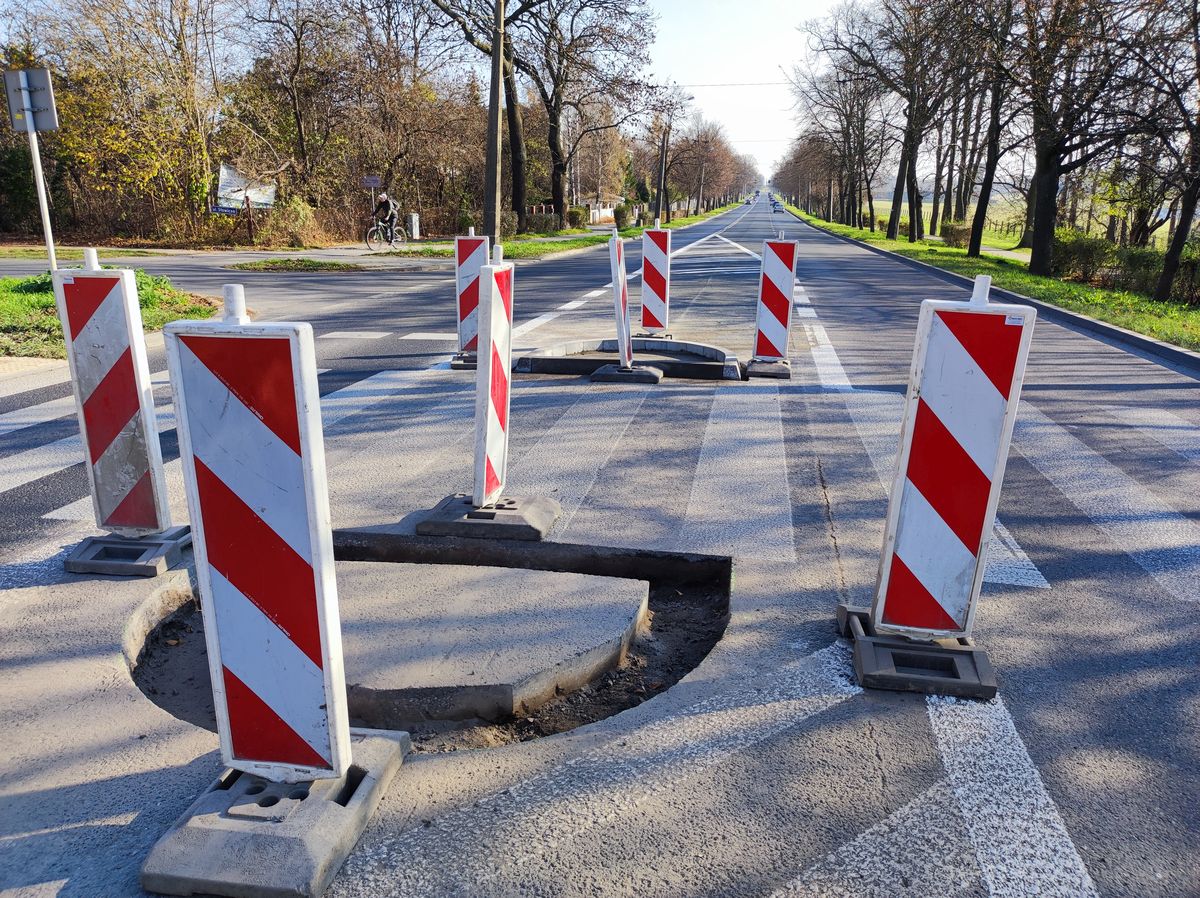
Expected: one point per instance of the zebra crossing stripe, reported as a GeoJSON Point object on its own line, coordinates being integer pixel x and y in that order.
{"type": "Point", "coordinates": [106, 349]}
{"type": "Point", "coordinates": [493, 382]}
{"type": "Point", "coordinates": [251, 444]}
{"type": "Point", "coordinates": [963, 393]}
{"type": "Point", "coordinates": [656, 280]}
{"type": "Point", "coordinates": [470, 255]}
{"type": "Point", "coordinates": [776, 282]}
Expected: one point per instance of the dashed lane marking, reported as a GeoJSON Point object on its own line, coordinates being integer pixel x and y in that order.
{"type": "Point", "coordinates": [355, 335]}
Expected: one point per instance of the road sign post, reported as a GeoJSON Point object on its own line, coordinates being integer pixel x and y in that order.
{"type": "Point", "coordinates": [31, 109]}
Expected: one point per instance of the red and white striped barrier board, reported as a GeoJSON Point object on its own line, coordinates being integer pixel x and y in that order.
{"type": "Point", "coordinates": [470, 255]}
{"type": "Point", "coordinates": [620, 285]}
{"type": "Point", "coordinates": [656, 280]}
{"type": "Point", "coordinates": [493, 381]}
{"type": "Point", "coordinates": [254, 466]}
{"type": "Point", "coordinates": [106, 349]}
{"type": "Point", "coordinates": [775, 288]}
{"type": "Point", "coordinates": [963, 393]}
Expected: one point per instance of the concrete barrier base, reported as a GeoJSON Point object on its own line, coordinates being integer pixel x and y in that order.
{"type": "Point", "coordinates": [247, 836]}
{"type": "Point", "coordinates": [943, 667]}
{"type": "Point", "coordinates": [779, 368]}
{"type": "Point", "coordinates": [130, 556]}
{"type": "Point", "coordinates": [638, 374]}
{"type": "Point", "coordinates": [510, 518]}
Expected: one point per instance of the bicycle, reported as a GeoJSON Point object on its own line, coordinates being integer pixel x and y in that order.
{"type": "Point", "coordinates": [379, 233]}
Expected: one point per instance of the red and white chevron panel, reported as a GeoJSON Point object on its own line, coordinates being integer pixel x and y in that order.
{"type": "Point", "coordinates": [620, 285]}
{"type": "Point", "coordinates": [493, 382]}
{"type": "Point", "coordinates": [963, 393]}
{"type": "Point", "coordinates": [470, 255]}
{"type": "Point", "coordinates": [106, 348]}
{"type": "Point", "coordinates": [656, 280]}
{"type": "Point", "coordinates": [776, 283]}
{"type": "Point", "coordinates": [254, 466]}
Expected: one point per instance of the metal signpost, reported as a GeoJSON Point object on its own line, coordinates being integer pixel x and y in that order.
{"type": "Point", "coordinates": [31, 109]}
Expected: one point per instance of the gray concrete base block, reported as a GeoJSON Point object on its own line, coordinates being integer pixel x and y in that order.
{"type": "Point", "coordinates": [130, 556]}
{"type": "Point", "coordinates": [464, 361]}
{"type": "Point", "coordinates": [944, 667]}
{"type": "Point", "coordinates": [247, 837]}
{"type": "Point", "coordinates": [777, 368]}
{"type": "Point", "coordinates": [638, 374]}
{"type": "Point", "coordinates": [510, 518]}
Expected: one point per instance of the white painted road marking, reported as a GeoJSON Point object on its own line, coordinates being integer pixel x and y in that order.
{"type": "Point", "coordinates": [484, 849]}
{"type": "Point", "coordinates": [426, 335]}
{"type": "Point", "coordinates": [1021, 843]}
{"type": "Point", "coordinates": [743, 466]}
{"type": "Point", "coordinates": [1162, 426]}
{"type": "Point", "coordinates": [1162, 541]}
{"type": "Point", "coordinates": [355, 335]}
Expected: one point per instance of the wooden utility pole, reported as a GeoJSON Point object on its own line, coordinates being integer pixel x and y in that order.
{"type": "Point", "coordinates": [491, 183]}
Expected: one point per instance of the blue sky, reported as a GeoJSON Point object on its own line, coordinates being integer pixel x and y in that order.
{"type": "Point", "coordinates": [709, 42]}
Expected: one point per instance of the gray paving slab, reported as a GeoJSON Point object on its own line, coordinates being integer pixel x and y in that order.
{"type": "Point", "coordinates": [455, 642]}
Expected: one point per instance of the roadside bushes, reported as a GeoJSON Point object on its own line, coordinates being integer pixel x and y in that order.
{"type": "Point", "coordinates": [541, 223]}
{"type": "Point", "coordinates": [290, 223]}
{"type": "Point", "coordinates": [1079, 255]}
{"type": "Point", "coordinates": [621, 216]}
{"type": "Point", "coordinates": [956, 234]}
{"type": "Point", "coordinates": [577, 217]}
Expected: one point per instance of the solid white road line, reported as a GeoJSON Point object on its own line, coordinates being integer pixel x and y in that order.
{"type": "Point", "coordinates": [739, 247]}
{"type": "Point", "coordinates": [426, 335]}
{"type": "Point", "coordinates": [354, 335]}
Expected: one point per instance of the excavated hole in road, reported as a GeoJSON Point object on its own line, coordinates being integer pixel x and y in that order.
{"type": "Point", "coordinates": [688, 612]}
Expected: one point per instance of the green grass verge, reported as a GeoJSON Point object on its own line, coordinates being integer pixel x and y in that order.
{"type": "Point", "coordinates": [427, 252]}
{"type": "Point", "coordinates": [66, 253]}
{"type": "Point", "coordinates": [1172, 322]}
{"type": "Point", "coordinates": [296, 265]}
{"type": "Point", "coordinates": [29, 324]}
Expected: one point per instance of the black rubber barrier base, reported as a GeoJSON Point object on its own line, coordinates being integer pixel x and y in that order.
{"type": "Point", "coordinates": [510, 518]}
{"type": "Point", "coordinates": [909, 665]}
{"type": "Point", "coordinates": [130, 556]}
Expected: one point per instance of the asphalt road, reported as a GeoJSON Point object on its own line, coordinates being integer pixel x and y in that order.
{"type": "Point", "coordinates": [766, 771]}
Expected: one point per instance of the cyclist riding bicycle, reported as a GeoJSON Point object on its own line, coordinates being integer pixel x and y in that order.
{"type": "Point", "coordinates": [386, 213]}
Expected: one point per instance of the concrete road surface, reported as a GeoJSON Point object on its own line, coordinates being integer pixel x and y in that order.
{"type": "Point", "coordinates": [766, 771]}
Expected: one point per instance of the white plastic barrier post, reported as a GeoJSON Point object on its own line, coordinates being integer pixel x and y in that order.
{"type": "Point", "coordinates": [620, 285]}
{"type": "Point", "coordinates": [963, 392]}
{"type": "Point", "coordinates": [493, 380]}
{"type": "Point", "coordinates": [775, 289]}
{"type": "Point", "coordinates": [254, 466]}
{"type": "Point", "coordinates": [656, 280]}
{"type": "Point", "coordinates": [470, 255]}
{"type": "Point", "coordinates": [106, 350]}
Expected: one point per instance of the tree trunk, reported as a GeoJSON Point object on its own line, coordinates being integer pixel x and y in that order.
{"type": "Point", "coordinates": [939, 160]}
{"type": "Point", "coordinates": [1044, 199]}
{"type": "Point", "coordinates": [916, 220]}
{"type": "Point", "coordinates": [989, 170]}
{"type": "Point", "coordinates": [893, 228]}
{"type": "Point", "coordinates": [963, 139]}
{"type": "Point", "coordinates": [516, 140]}
{"type": "Point", "coordinates": [1187, 212]}
{"type": "Point", "coordinates": [558, 169]}
{"type": "Point", "coordinates": [870, 200]}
